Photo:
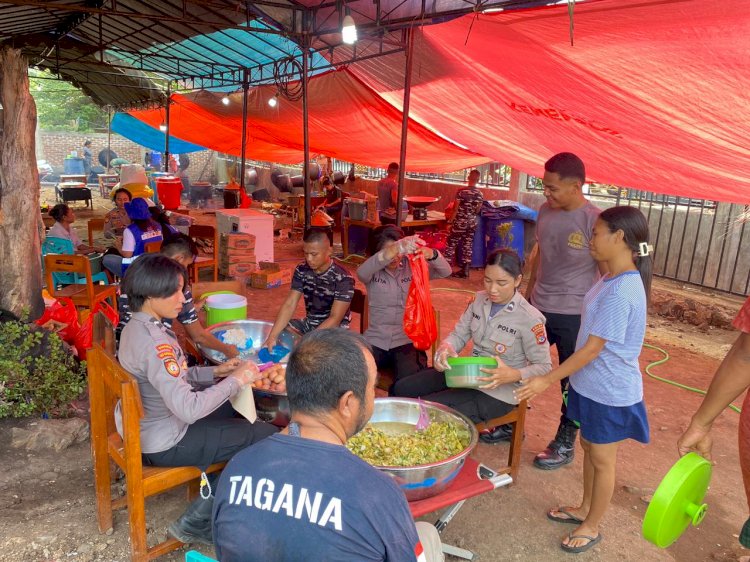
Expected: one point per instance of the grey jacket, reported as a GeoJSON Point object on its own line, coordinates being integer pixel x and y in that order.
{"type": "Point", "coordinates": [173, 395]}
{"type": "Point", "coordinates": [516, 334]}
{"type": "Point", "coordinates": [386, 293]}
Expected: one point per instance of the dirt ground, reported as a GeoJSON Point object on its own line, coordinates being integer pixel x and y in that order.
{"type": "Point", "coordinates": [47, 510]}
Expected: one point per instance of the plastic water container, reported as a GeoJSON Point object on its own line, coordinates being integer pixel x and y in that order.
{"type": "Point", "coordinates": [169, 190]}
{"type": "Point", "coordinates": [505, 233]}
{"type": "Point", "coordinates": [73, 167]}
{"type": "Point", "coordinates": [479, 245]}
{"type": "Point", "coordinates": [225, 307]}
{"type": "Point", "coordinates": [464, 371]}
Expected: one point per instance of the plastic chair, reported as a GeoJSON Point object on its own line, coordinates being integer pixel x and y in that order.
{"type": "Point", "coordinates": [88, 294]}
{"type": "Point", "coordinates": [204, 235]}
{"type": "Point", "coordinates": [55, 245]}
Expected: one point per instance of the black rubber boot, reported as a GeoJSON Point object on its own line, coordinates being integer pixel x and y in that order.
{"type": "Point", "coordinates": [195, 524]}
{"type": "Point", "coordinates": [561, 449]}
{"type": "Point", "coordinates": [496, 434]}
{"type": "Point", "coordinates": [462, 273]}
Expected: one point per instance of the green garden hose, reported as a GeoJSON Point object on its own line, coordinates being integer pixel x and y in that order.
{"type": "Point", "coordinates": [673, 383]}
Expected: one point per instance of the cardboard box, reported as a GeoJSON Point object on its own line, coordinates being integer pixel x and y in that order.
{"type": "Point", "coordinates": [250, 253]}
{"type": "Point", "coordinates": [269, 266]}
{"type": "Point", "coordinates": [237, 241]}
{"type": "Point", "coordinates": [227, 260]}
{"type": "Point", "coordinates": [238, 270]}
{"type": "Point", "coordinates": [270, 279]}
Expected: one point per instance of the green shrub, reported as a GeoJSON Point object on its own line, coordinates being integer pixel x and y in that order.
{"type": "Point", "coordinates": [38, 374]}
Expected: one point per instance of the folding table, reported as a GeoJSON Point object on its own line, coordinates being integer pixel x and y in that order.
{"type": "Point", "coordinates": [473, 480]}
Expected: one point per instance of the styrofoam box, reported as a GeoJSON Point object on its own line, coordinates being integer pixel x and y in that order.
{"type": "Point", "coordinates": [253, 222]}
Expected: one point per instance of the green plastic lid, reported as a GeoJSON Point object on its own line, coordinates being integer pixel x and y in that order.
{"type": "Point", "coordinates": [456, 361]}
{"type": "Point", "coordinates": [678, 501]}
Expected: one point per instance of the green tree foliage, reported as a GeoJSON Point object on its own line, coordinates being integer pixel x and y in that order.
{"type": "Point", "coordinates": [61, 106]}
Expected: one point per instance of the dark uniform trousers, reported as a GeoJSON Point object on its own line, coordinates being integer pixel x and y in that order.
{"type": "Point", "coordinates": [215, 438]}
{"type": "Point", "coordinates": [562, 332]}
{"type": "Point", "coordinates": [429, 384]}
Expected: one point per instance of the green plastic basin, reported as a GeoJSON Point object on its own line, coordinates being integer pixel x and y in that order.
{"type": "Point", "coordinates": [464, 371]}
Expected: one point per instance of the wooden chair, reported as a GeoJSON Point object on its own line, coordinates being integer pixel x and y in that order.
{"type": "Point", "coordinates": [84, 294]}
{"type": "Point", "coordinates": [359, 306]}
{"type": "Point", "coordinates": [204, 236]}
{"type": "Point", "coordinates": [94, 225]}
{"type": "Point", "coordinates": [152, 247]}
{"type": "Point", "coordinates": [108, 384]}
{"type": "Point", "coordinates": [516, 418]}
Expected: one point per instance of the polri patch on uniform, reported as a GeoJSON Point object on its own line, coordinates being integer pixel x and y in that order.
{"type": "Point", "coordinates": [172, 367]}
{"type": "Point", "coordinates": [539, 333]}
{"type": "Point", "coordinates": [500, 348]}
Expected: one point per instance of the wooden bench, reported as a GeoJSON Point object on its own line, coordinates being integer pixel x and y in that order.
{"type": "Point", "coordinates": [108, 384]}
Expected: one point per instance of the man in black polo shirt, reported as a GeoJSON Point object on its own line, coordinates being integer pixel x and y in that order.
{"type": "Point", "coordinates": [327, 288]}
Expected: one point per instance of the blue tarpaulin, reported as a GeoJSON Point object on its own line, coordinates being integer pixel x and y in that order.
{"type": "Point", "coordinates": [145, 135]}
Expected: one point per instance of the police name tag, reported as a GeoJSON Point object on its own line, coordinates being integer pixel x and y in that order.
{"type": "Point", "coordinates": [244, 403]}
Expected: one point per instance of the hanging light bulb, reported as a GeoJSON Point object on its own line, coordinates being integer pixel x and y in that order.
{"type": "Point", "coordinates": [163, 127]}
{"type": "Point", "coordinates": [225, 100]}
{"type": "Point", "coordinates": [348, 30]}
{"type": "Point", "coordinates": [273, 102]}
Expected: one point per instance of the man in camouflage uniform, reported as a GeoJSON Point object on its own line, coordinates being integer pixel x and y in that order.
{"type": "Point", "coordinates": [326, 287]}
{"type": "Point", "coordinates": [468, 202]}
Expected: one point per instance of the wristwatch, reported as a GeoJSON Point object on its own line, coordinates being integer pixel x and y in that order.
{"type": "Point", "coordinates": [435, 254]}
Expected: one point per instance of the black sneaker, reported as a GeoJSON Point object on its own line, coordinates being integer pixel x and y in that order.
{"type": "Point", "coordinates": [496, 434]}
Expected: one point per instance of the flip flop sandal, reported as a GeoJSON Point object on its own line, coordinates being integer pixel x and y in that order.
{"type": "Point", "coordinates": [577, 549]}
{"type": "Point", "coordinates": [569, 519]}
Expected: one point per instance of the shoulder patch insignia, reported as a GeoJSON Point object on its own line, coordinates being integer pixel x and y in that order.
{"type": "Point", "coordinates": [539, 333]}
{"type": "Point", "coordinates": [165, 351]}
{"type": "Point", "coordinates": [172, 367]}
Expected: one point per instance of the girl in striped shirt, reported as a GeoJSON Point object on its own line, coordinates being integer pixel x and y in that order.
{"type": "Point", "coordinates": [606, 385]}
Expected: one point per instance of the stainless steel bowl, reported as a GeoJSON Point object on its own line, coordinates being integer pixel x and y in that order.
{"type": "Point", "coordinates": [258, 331]}
{"type": "Point", "coordinates": [272, 406]}
{"type": "Point", "coordinates": [423, 481]}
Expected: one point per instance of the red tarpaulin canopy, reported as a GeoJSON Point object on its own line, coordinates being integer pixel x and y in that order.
{"type": "Point", "coordinates": [653, 94]}
{"type": "Point", "coordinates": [348, 121]}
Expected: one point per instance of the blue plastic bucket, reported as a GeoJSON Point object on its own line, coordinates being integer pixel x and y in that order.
{"type": "Point", "coordinates": [504, 233]}
{"type": "Point", "coordinates": [479, 249]}
{"type": "Point", "coordinates": [73, 167]}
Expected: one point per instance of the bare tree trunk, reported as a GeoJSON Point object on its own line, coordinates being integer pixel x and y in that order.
{"type": "Point", "coordinates": [20, 241]}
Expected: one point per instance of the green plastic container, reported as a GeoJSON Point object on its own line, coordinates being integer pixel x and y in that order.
{"type": "Point", "coordinates": [464, 371]}
{"type": "Point", "coordinates": [225, 306]}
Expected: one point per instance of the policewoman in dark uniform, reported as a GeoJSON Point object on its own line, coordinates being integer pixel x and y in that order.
{"type": "Point", "coordinates": [501, 324]}
{"type": "Point", "coordinates": [187, 418]}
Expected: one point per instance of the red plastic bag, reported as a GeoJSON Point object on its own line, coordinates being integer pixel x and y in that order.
{"type": "Point", "coordinates": [85, 336]}
{"type": "Point", "coordinates": [419, 316]}
{"type": "Point", "coordinates": [63, 313]}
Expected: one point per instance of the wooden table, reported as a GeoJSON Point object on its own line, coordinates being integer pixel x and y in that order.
{"type": "Point", "coordinates": [73, 178]}
{"type": "Point", "coordinates": [73, 191]}
{"type": "Point", "coordinates": [434, 218]}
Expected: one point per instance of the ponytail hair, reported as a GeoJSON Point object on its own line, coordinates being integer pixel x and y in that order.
{"type": "Point", "coordinates": [635, 230]}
